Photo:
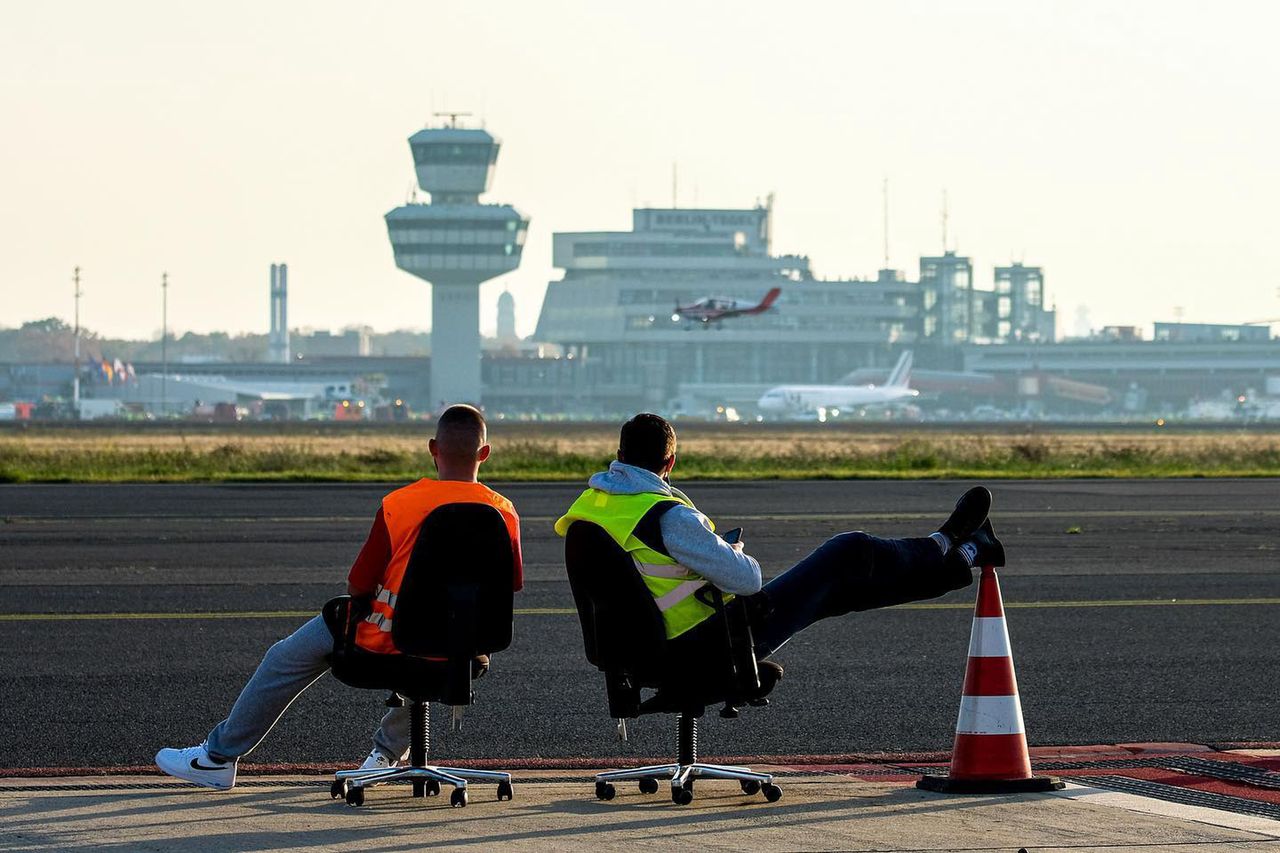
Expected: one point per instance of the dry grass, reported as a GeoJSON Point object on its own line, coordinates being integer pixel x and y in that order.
{"type": "Point", "coordinates": [558, 452]}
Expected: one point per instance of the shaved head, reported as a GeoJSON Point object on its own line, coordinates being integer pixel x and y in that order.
{"type": "Point", "coordinates": [460, 434]}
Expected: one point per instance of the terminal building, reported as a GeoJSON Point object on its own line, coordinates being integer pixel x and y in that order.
{"type": "Point", "coordinates": [614, 312]}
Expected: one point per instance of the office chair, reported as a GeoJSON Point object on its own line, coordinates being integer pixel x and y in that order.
{"type": "Point", "coordinates": [623, 633]}
{"type": "Point", "coordinates": [454, 603]}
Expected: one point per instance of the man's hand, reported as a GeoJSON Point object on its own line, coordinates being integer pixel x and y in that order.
{"type": "Point", "coordinates": [737, 546]}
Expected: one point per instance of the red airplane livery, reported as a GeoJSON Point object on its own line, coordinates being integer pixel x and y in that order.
{"type": "Point", "coordinates": [713, 309]}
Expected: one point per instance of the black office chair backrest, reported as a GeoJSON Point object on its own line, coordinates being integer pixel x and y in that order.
{"type": "Point", "coordinates": [455, 600]}
{"type": "Point", "coordinates": [622, 628]}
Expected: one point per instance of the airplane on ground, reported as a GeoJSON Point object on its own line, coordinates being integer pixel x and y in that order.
{"type": "Point", "coordinates": [713, 309]}
{"type": "Point", "coordinates": [821, 399]}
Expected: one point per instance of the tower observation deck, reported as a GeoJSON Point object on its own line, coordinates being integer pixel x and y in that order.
{"type": "Point", "coordinates": [455, 243]}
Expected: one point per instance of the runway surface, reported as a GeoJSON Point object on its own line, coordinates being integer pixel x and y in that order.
{"type": "Point", "coordinates": [1159, 620]}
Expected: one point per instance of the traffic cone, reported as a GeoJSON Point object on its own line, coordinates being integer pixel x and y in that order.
{"type": "Point", "coordinates": [990, 754]}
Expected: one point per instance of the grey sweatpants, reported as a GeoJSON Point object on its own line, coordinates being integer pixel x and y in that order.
{"type": "Point", "coordinates": [288, 668]}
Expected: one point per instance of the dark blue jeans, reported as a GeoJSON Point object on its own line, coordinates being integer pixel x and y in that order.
{"type": "Point", "coordinates": [849, 572]}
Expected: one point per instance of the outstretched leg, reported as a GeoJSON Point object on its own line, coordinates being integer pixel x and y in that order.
{"type": "Point", "coordinates": [855, 571]}
{"type": "Point", "coordinates": [288, 668]}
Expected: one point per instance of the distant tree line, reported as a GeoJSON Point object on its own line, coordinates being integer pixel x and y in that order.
{"type": "Point", "coordinates": [53, 339]}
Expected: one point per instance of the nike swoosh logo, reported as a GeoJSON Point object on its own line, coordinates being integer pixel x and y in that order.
{"type": "Point", "coordinates": [196, 765]}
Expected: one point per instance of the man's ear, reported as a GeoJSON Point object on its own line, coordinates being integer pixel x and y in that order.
{"type": "Point", "coordinates": [433, 448]}
{"type": "Point", "coordinates": [483, 453]}
{"type": "Point", "coordinates": [669, 464]}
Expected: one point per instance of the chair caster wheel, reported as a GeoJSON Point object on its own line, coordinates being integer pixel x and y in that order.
{"type": "Point", "coordinates": [750, 786]}
{"type": "Point", "coordinates": [648, 786]}
{"type": "Point", "coordinates": [355, 796]}
{"type": "Point", "coordinates": [504, 791]}
{"type": "Point", "coordinates": [682, 796]}
{"type": "Point", "coordinates": [605, 791]}
{"type": "Point", "coordinates": [772, 792]}
{"type": "Point", "coordinates": [458, 799]}
{"type": "Point", "coordinates": [338, 788]}
{"type": "Point", "coordinates": [431, 788]}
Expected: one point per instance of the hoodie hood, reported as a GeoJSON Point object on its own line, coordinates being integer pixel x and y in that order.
{"type": "Point", "coordinates": [624, 479]}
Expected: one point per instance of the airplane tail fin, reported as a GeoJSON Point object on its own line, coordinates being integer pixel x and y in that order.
{"type": "Point", "coordinates": [767, 302]}
{"type": "Point", "coordinates": [901, 375]}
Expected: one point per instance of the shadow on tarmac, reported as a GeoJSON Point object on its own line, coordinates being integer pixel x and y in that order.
{"type": "Point", "coordinates": [391, 820]}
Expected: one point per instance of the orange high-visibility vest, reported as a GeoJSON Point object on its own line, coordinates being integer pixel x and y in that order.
{"type": "Point", "coordinates": [404, 510]}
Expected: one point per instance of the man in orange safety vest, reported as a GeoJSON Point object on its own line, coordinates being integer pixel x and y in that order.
{"type": "Point", "coordinates": [290, 666]}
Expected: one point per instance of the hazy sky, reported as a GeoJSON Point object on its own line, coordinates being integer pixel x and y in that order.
{"type": "Point", "coordinates": [1131, 148]}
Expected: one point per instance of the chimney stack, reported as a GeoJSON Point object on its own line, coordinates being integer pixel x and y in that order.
{"type": "Point", "coordinates": [278, 339]}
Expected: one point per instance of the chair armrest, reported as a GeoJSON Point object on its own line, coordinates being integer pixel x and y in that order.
{"type": "Point", "coordinates": [739, 643]}
{"type": "Point", "coordinates": [342, 614]}
{"type": "Point", "coordinates": [623, 692]}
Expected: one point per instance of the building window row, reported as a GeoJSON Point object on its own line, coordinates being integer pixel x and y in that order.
{"type": "Point", "coordinates": [408, 252]}
{"type": "Point", "coordinates": [586, 249]}
{"type": "Point", "coordinates": [451, 153]}
{"type": "Point", "coordinates": [486, 225]}
{"type": "Point", "coordinates": [459, 238]}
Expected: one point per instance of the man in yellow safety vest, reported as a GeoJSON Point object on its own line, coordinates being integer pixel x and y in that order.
{"type": "Point", "coordinates": [677, 552]}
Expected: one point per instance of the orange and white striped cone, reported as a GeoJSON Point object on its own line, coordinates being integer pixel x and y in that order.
{"type": "Point", "coordinates": [990, 754]}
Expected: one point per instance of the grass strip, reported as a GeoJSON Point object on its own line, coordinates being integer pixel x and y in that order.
{"type": "Point", "coordinates": [730, 455]}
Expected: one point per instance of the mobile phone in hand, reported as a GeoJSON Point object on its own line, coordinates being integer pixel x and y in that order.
{"type": "Point", "coordinates": [733, 536]}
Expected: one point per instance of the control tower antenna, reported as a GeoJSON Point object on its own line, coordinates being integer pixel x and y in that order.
{"type": "Point", "coordinates": [945, 214]}
{"type": "Point", "coordinates": [768, 222]}
{"type": "Point", "coordinates": [453, 118]}
{"type": "Point", "coordinates": [885, 199]}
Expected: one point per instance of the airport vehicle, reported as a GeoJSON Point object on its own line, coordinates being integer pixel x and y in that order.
{"type": "Point", "coordinates": [713, 309]}
{"type": "Point", "coordinates": [803, 400]}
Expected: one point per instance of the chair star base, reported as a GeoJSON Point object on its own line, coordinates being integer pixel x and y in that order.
{"type": "Point", "coordinates": [681, 778]}
{"type": "Point", "coordinates": [426, 780]}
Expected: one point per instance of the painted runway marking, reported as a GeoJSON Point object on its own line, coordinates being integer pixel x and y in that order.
{"type": "Point", "coordinates": [548, 519]}
{"type": "Point", "coordinates": [568, 611]}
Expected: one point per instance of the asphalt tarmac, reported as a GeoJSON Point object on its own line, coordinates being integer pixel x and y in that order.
{"type": "Point", "coordinates": [1138, 611]}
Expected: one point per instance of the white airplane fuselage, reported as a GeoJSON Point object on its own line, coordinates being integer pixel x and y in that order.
{"type": "Point", "coordinates": [810, 398]}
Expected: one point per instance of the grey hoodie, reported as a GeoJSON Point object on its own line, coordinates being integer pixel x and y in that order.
{"type": "Point", "coordinates": [686, 533]}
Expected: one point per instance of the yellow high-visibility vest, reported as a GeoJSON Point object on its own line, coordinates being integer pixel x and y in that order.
{"type": "Point", "coordinates": [673, 586]}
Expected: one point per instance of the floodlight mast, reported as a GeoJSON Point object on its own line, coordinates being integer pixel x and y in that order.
{"type": "Point", "coordinates": [75, 379]}
{"type": "Point", "coordinates": [164, 343]}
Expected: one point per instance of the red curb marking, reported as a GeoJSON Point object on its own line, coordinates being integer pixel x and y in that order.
{"type": "Point", "coordinates": [1159, 748]}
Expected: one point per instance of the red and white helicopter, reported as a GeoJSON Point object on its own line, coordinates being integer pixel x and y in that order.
{"type": "Point", "coordinates": [713, 309]}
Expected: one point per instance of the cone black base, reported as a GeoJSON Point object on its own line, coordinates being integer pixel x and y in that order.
{"type": "Point", "coordinates": [947, 785]}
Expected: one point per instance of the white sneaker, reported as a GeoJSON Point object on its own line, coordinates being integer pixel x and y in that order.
{"type": "Point", "coordinates": [194, 765]}
{"type": "Point", "coordinates": [378, 761]}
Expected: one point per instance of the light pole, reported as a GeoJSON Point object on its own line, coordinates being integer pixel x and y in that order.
{"type": "Point", "coordinates": [164, 343]}
{"type": "Point", "coordinates": [75, 378]}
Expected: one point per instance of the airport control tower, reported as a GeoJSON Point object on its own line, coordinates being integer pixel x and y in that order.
{"type": "Point", "coordinates": [455, 242]}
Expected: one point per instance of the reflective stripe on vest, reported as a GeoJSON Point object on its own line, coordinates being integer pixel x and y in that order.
{"type": "Point", "coordinates": [382, 620]}
{"type": "Point", "coordinates": [672, 585]}
{"type": "Point", "coordinates": [657, 570]}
